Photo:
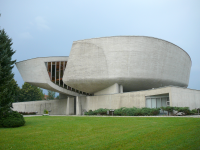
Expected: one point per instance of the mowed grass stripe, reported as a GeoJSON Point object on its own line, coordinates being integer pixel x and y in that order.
{"type": "Point", "coordinates": [66, 132]}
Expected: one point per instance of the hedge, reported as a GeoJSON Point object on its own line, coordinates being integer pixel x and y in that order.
{"type": "Point", "coordinates": [126, 111]}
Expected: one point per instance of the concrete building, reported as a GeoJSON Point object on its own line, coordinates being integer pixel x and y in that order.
{"type": "Point", "coordinates": [112, 72]}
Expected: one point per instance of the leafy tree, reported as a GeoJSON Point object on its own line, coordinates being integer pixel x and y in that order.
{"type": "Point", "coordinates": [51, 94]}
{"type": "Point", "coordinates": [30, 93]}
{"type": "Point", "coordinates": [58, 97]}
{"type": "Point", "coordinates": [7, 86]}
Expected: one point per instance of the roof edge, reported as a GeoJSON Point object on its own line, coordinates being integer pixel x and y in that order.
{"type": "Point", "coordinates": [40, 57]}
{"type": "Point", "coordinates": [137, 36]}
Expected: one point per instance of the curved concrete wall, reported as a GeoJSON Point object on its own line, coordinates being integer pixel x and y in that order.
{"type": "Point", "coordinates": [136, 62]}
{"type": "Point", "coordinates": [34, 71]}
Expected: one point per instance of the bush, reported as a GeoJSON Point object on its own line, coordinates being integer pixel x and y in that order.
{"type": "Point", "coordinates": [154, 111]}
{"type": "Point", "coordinates": [194, 111]}
{"type": "Point", "coordinates": [13, 119]}
{"type": "Point", "coordinates": [168, 109]}
{"type": "Point", "coordinates": [128, 111]}
{"type": "Point", "coordinates": [136, 111]}
{"type": "Point", "coordinates": [27, 113]}
{"type": "Point", "coordinates": [99, 111]}
{"type": "Point", "coordinates": [90, 112]}
{"type": "Point", "coordinates": [185, 110]}
{"type": "Point", "coordinates": [118, 112]}
{"type": "Point", "coordinates": [46, 111]}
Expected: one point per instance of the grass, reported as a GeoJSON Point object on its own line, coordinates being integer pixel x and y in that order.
{"type": "Point", "coordinates": [63, 132]}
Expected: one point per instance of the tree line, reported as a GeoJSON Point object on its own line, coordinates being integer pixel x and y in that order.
{"type": "Point", "coordinates": [30, 92]}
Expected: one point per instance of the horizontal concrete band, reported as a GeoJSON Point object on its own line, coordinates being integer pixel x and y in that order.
{"type": "Point", "coordinates": [179, 97]}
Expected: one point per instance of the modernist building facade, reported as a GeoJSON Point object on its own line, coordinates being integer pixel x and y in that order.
{"type": "Point", "coordinates": [112, 72]}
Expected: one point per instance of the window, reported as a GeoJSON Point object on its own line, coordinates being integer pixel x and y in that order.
{"type": "Point", "coordinates": [55, 72]}
{"type": "Point", "coordinates": [157, 102]}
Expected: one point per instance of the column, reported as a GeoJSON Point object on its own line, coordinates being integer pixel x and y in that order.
{"type": "Point", "coordinates": [78, 106]}
{"type": "Point", "coordinates": [121, 89]}
{"type": "Point", "coordinates": [70, 106]}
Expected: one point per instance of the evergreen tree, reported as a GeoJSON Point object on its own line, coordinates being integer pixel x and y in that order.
{"type": "Point", "coordinates": [7, 87]}
{"type": "Point", "coordinates": [17, 91]}
{"type": "Point", "coordinates": [30, 93]}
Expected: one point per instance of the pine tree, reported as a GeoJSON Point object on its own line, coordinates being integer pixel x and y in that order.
{"type": "Point", "coordinates": [7, 87]}
{"type": "Point", "coordinates": [17, 91]}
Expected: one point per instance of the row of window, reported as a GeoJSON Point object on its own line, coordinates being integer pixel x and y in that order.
{"type": "Point", "coordinates": [56, 71]}
{"type": "Point", "coordinates": [157, 102]}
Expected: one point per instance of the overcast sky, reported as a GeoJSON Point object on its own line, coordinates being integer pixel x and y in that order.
{"type": "Point", "coordinates": [41, 28]}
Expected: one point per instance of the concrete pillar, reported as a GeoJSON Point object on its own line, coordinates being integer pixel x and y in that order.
{"type": "Point", "coordinates": [70, 106]}
{"type": "Point", "coordinates": [78, 106]}
{"type": "Point", "coordinates": [121, 89]}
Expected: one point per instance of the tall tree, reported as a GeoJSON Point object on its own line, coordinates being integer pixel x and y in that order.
{"type": "Point", "coordinates": [51, 94]}
{"type": "Point", "coordinates": [7, 87]}
{"type": "Point", "coordinates": [17, 91]}
{"type": "Point", "coordinates": [30, 93]}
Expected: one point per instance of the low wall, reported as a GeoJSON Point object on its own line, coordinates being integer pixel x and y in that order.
{"type": "Point", "coordinates": [180, 97]}
{"type": "Point", "coordinates": [183, 97]}
{"type": "Point", "coordinates": [115, 101]}
{"type": "Point", "coordinates": [57, 107]}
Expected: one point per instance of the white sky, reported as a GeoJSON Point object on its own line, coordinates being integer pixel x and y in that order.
{"type": "Point", "coordinates": [42, 28]}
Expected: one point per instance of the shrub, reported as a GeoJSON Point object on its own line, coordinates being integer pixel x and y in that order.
{"type": "Point", "coordinates": [46, 111]}
{"type": "Point", "coordinates": [90, 112]}
{"type": "Point", "coordinates": [194, 111]}
{"type": "Point", "coordinates": [146, 111]}
{"type": "Point", "coordinates": [13, 119]}
{"type": "Point", "coordinates": [155, 111]}
{"type": "Point", "coordinates": [100, 111]}
{"type": "Point", "coordinates": [28, 113]}
{"type": "Point", "coordinates": [118, 112]}
{"type": "Point", "coordinates": [168, 109]}
{"type": "Point", "coordinates": [127, 112]}
{"type": "Point", "coordinates": [185, 110]}
{"type": "Point", "coordinates": [136, 111]}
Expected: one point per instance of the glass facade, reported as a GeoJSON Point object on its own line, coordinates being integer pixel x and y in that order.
{"type": "Point", "coordinates": [157, 102]}
{"type": "Point", "coordinates": [56, 71]}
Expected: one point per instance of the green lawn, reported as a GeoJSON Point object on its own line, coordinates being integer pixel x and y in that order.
{"type": "Point", "coordinates": [63, 132]}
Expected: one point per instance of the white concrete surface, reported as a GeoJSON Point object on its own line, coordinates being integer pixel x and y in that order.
{"type": "Point", "coordinates": [135, 62]}
{"type": "Point", "coordinates": [80, 105]}
{"type": "Point", "coordinates": [115, 101]}
{"type": "Point", "coordinates": [113, 89]}
{"type": "Point", "coordinates": [183, 97]}
{"type": "Point", "coordinates": [179, 97]}
{"type": "Point", "coordinates": [57, 107]}
{"type": "Point", "coordinates": [34, 71]}
{"type": "Point", "coordinates": [70, 106]}
{"type": "Point", "coordinates": [121, 89]}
